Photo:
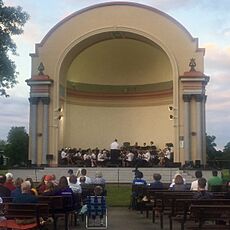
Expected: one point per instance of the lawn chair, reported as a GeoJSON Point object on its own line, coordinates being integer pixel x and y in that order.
{"type": "Point", "coordinates": [96, 216]}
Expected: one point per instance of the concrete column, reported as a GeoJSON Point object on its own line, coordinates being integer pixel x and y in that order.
{"type": "Point", "coordinates": [187, 154]}
{"type": "Point", "coordinates": [204, 149]}
{"type": "Point", "coordinates": [33, 128]}
{"type": "Point", "coordinates": [199, 125]}
{"type": "Point", "coordinates": [45, 101]}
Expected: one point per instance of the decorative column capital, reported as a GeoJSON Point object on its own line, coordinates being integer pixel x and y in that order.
{"type": "Point", "coordinates": [199, 97]}
{"type": "Point", "coordinates": [187, 97]}
{"type": "Point", "coordinates": [34, 100]}
{"type": "Point", "coordinates": [45, 100]}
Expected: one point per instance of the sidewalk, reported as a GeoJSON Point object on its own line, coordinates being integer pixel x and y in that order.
{"type": "Point", "coordinates": [123, 219]}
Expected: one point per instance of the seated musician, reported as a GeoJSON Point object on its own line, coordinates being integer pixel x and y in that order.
{"type": "Point", "coordinates": [129, 158]}
{"type": "Point", "coordinates": [146, 157]}
{"type": "Point", "coordinates": [101, 158]}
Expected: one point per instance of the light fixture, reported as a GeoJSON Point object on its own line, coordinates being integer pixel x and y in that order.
{"type": "Point", "coordinates": [170, 108]}
{"type": "Point", "coordinates": [58, 109]}
{"type": "Point", "coordinates": [58, 117]}
{"type": "Point", "coordinates": [171, 117]}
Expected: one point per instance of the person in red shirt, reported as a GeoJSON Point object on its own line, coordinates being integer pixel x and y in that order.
{"type": "Point", "coordinates": [10, 182]}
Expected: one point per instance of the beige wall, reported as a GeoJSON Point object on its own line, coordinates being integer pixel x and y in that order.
{"type": "Point", "coordinates": [89, 126]}
{"type": "Point", "coordinates": [121, 62]}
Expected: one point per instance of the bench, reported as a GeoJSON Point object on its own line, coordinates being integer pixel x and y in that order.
{"type": "Point", "coordinates": [165, 203]}
{"type": "Point", "coordinates": [201, 213]}
{"type": "Point", "coordinates": [59, 206]}
{"type": "Point", "coordinates": [181, 211]}
{"type": "Point", "coordinates": [13, 211]}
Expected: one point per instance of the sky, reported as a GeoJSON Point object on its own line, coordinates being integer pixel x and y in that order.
{"type": "Point", "coordinates": [207, 20]}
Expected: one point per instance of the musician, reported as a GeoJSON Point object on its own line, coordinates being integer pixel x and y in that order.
{"type": "Point", "coordinates": [146, 157]}
{"type": "Point", "coordinates": [129, 159]}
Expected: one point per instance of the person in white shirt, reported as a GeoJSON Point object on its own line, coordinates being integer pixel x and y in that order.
{"type": "Point", "coordinates": [101, 158]}
{"type": "Point", "coordinates": [129, 159]}
{"type": "Point", "coordinates": [83, 174]}
{"type": "Point", "coordinates": [194, 184]}
{"type": "Point", "coordinates": [114, 145]}
{"type": "Point", "coordinates": [146, 156]}
{"type": "Point", "coordinates": [114, 152]}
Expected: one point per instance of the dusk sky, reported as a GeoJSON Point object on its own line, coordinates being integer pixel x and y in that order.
{"type": "Point", "coordinates": [207, 20]}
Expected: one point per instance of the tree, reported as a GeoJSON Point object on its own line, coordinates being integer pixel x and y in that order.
{"type": "Point", "coordinates": [12, 20]}
{"type": "Point", "coordinates": [211, 147]}
{"type": "Point", "coordinates": [17, 147]}
{"type": "Point", "coordinates": [227, 148]}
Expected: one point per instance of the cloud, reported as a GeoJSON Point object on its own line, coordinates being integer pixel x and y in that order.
{"type": "Point", "coordinates": [14, 112]}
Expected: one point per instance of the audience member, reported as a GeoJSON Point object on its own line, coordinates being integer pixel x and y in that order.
{"type": "Point", "coordinates": [41, 186]}
{"type": "Point", "coordinates": [9, 182]}
{"type": "Point", "coordinates": [74, 185]}
{"type": "Point", "coordinates": [18, 190]}
{"type": "Point", "coordinates": [178, 184]}
{"type": "Point", "coordinates": [4, 191]}
{"type": "Point", "coordinates": [173, 180]}
{"type": "Point", "coordinates": [70, 172]}
{"type": "Point", "coordinates": [202, 193]}
{"type": "Point", "coordinates": [156, 184]}
{"type": "Point", "coordinates": [194, 184]}
{"type": "Point", "coordinates": [138, 179]}
{"type": "Point", "coordinates": [49, 190]}
{"type": "Point", "coordinates": [214, 180]}
{"type": "Point", "coordinates": [87, 179]}
{"type": "Point", "coordinates": [99, 178]}
{"type": "Point", "coordinates": [25, 196]}
{"type": "Point", "coordinates": [33, 190]}
{"type": "Point", "coordinates": [63, 188]}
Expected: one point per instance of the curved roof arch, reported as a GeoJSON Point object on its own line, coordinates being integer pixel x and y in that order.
{"type": "Point", "coordinates": [79, 12]}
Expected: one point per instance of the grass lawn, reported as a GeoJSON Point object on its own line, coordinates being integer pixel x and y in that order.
{"type": "Point", "coordinates": [118, 195]}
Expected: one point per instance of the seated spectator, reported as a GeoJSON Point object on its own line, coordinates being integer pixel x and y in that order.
{"type": "Point", "coordinates": [49, 190]}
{"type": "Point", "coordinates": [202, 193]}
{"type": "Point", "coordinates": [25, 196]}
{"type": "Point", "coordinates": [138, 179]}
{"type": "Point", "coordinates": [156, 184]}
{"type": "Point", "coordinates": [4, 191]}
{"type": "Point", "coordinates": [33, 189]}
{"type": "Point", "coordinates": [9, 182]}
{"type": "Point", "coordinates": [99, 178]}
{"type": "Point", "coordinates": [214, 180]}
{"type": "Point", "coordinates": [173, 180]}
{"type": "Point", "coordinates": [70, 172]}
{"type": "Point", "coordinates": [17, 191]}
{"type": "Point", "coordinates": [178, 184]}
{"type": "Point", "coordinates": [63, 188]}
{"type": "Point", "coordinates": [41, 186]}
{"type": "Point", "coordinates": [1, 212]}
{"type": "Point", "coordinates": [74, 185]}
{"type": "Point", "coordinates": [194, 184]}
{"type": "Point", "coordinates": [87, 179]}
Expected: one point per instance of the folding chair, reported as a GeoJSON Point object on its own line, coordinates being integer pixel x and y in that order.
{"type": "Point", "coordinates": [96, 216]}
